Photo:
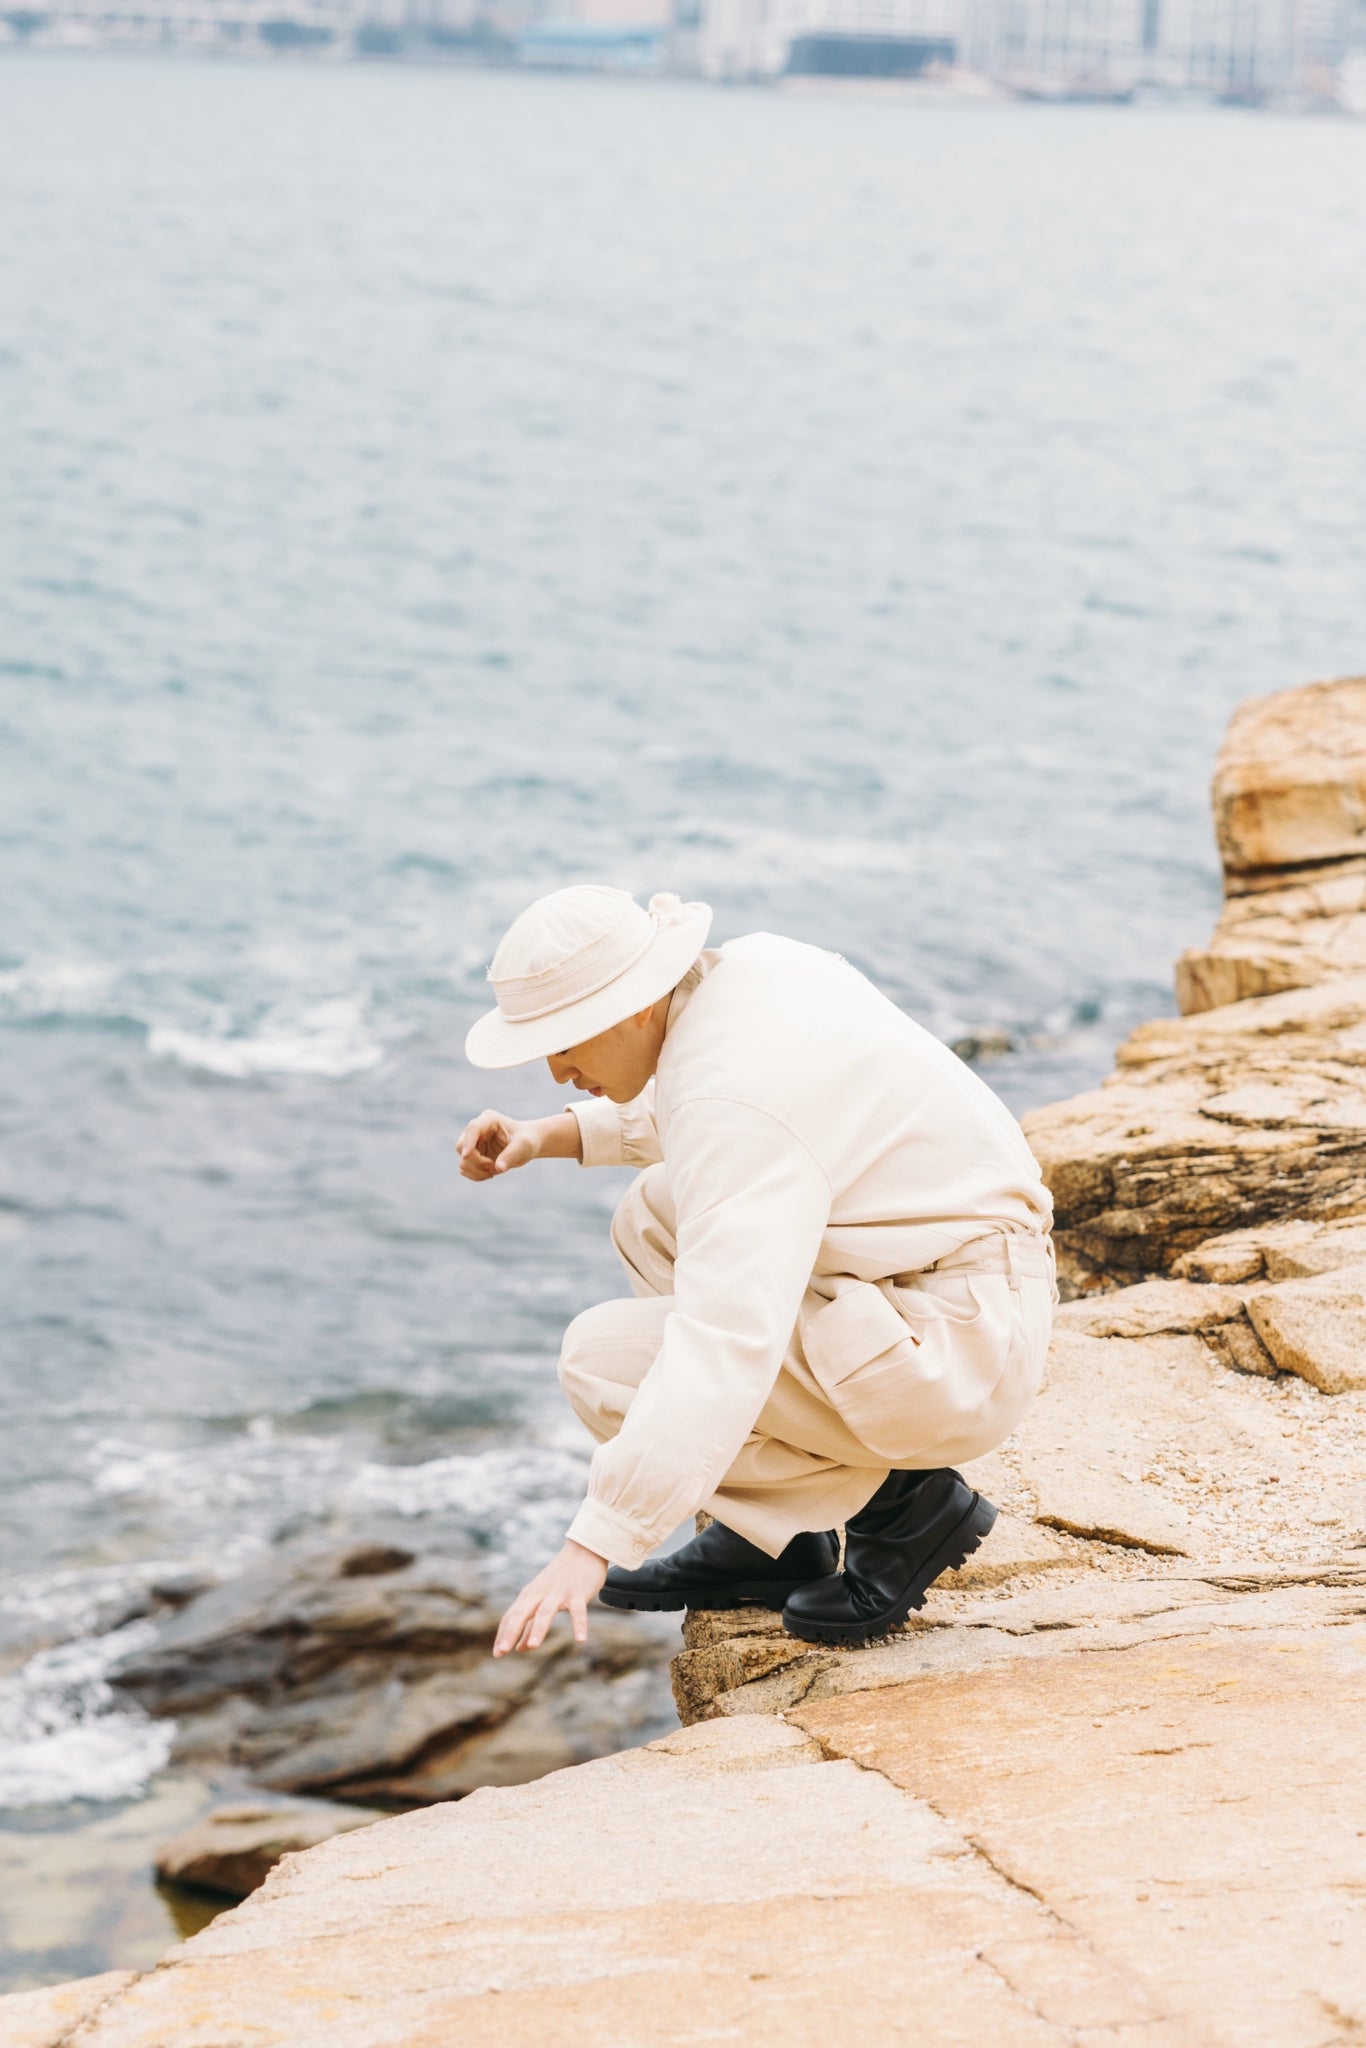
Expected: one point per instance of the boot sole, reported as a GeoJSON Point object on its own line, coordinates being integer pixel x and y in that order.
{"type": "Point", "coordinates": [957, 1547]}
{"type": "Point", "coordinates": [755, 1593]}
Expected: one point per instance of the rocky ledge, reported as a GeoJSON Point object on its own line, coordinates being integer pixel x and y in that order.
{"type": "Point", "coordinates": [1108, 1788]}
{"type": "Point", "coordinates": [360, 1675]}
{"type": "Point", "coordinates": [1248, 1112]}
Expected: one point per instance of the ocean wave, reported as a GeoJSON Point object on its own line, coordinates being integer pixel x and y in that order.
{"type": "Point", "coordinates": [517, 1501]}
{"type": "Point", "coordinates": [712, 854]}
{"type": "Point", "coordinates": [64, 1732]}
{"type": "Point", "coordinates": [56, 988]}
{"type": "Point", "coordinates": [481, 1486]}
{"type": "Point", "coordinates": [281, 1474]}
{"type": "Point", "coordinates": [511, 1500]}
{"type": "Point", "coordinates": [331, 1040]}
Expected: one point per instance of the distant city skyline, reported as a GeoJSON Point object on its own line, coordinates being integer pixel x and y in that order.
{"type": "Point", "coordinates": [1306, 52]}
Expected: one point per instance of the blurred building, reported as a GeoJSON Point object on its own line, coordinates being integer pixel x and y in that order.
{"type": "Point", "coordinates": [1241, 50]}
{"type": "Point", "coordinates": [756, 39]}
{"type": "Point", "coordinates": [1235, 49]}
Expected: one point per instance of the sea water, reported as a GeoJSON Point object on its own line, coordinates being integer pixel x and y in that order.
{"type": "Point", "coordinates": [424, 488]}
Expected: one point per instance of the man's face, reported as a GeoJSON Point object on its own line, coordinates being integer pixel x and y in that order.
{"type": "Point", "coordinates": [617, 1063]}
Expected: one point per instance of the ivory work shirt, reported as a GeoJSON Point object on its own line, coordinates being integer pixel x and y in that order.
{"type": "Point", "coordinates": [808, 1128]}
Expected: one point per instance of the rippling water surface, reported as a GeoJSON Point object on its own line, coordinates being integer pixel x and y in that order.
{"type": "Point", "coordinates": [424, 488]}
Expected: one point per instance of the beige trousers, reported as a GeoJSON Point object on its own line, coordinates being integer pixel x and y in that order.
{"type": "Point", "coordinates": [932, 1369]}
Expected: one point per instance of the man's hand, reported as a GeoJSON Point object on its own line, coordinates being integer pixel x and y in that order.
{"type": "Point", "coordinates": [492, 1143]}
{"type": "Point", "coordinates": [566, 1586]}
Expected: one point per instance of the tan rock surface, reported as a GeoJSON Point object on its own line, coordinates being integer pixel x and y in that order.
{"type": "Point", "coordinates": [41, 2019]}
{"type": "Point", "coordinates": [1276, 1251]}
{"type": "Point", "coordinates": [1317, 1328]}
{"type": "Point", "coordinates": [1154, 1443]}
{"type": "Point", "coordinates": [743, 1661]}
{"type": "Point", "coordinates": [1229, 1120]}
{"type": "Point", "coordinates": [1290, 814]}
{"type": "Point", "coordinates": [1090, 1834]}
{"type": "Point", "coordinates": [727, 1883]}
{"type": "Point", "coordinates": [1151, 1798]}
{"type": "Point", "coordinates": [1278, 939]}
{"type": "Point", "coordinates": [1290, 783]}
{"type": "Point", "coordinates": [1152, 1308]}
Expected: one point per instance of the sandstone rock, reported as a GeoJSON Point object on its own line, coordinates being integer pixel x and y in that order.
{"type": "Point", "coordinates": [1151, 1443]}
{"type": "Point", "coordinates": [1015, 1549]}
{"type": "Point", "coordinates": [48, 2018]}
{"type": "Point", "coordinates": [1151, 1798]}
{"type": "Point", "coordinates": [742, 1661]}
{"type": "Point", "coordinates": [728, 1660]}
{"type": "Point", "coordinates": [234, 1848]}
{"type": "Point", "coordinates": [1317, 1328]}
{"type": "Point", "coordinates": [1217, 1123]}
{"type": "Point", "coordinates": [1107, 1411]}
{"type": "Point", "coordinates": [1290, 783]}
{"type": "Point", "coordinates": [1102, 1608]}
{"type": "Point", "coordinates": [1289, 790]}
{"type": "Point", "coordinates": [1150, 1308]}
{"type": "Point", "coordinates": [1238, 1346]}
{"type": "Point", "coordinates": [730, 1884]}
{"type": "Point", "coordinates": [1276, 1251]}
{"type": "Point", "coordinates": [1280, 939]}
{"type": "Point", "coordinates": [1073, 1843]}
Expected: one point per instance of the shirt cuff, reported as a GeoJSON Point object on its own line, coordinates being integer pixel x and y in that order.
{"type": "Point", "coordinates": [601, 1529]}
{"type": "Point", "coordinates": [599, 1132]}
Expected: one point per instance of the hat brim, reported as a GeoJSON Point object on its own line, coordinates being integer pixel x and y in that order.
{"type": "Point", "coordinates": [498, 1041]}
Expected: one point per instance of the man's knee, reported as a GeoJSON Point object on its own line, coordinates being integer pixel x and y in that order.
{"type": "Point", "coordinates": [615, 1341]}
{"type": "Point", "coordinates": [578, 1347]}
{"type": "Point", "coordinates": [643, 1231]}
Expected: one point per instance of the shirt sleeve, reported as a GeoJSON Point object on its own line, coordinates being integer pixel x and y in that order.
{"type": "Point", "coordinates": [618, 1133]}
{"type": "Point", "coordinates": [752, 1206]}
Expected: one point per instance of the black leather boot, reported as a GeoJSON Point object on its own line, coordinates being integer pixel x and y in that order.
{"type": "Point", "coordinates": [720, 1569]}
{"type": "Point", "coordinates": [917, 1525]}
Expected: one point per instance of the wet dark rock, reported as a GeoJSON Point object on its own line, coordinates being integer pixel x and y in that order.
{"type": "Point", "coordinates": [294, 1619]}
{"type": "Point", "coordinates": [366, 1673]}
{"type": "Point", "coordinates": [178, 1588]}
{"type": "Point", "coordinates": [369, 1559]}
{"type": "Point", "coordinates": [989, 1043]}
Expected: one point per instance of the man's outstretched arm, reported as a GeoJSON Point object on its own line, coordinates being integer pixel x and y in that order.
{"type": "Point", "coordinates": [492, 1143]}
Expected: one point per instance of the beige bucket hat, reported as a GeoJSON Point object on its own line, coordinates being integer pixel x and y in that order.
{"type": "Point", "coordinates": [578, 962]}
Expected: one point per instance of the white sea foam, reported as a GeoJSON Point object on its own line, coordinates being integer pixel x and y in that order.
{"type": "Point", "coordinates": [330, 1039]}
{"type": "Point", "coordinates": [710, 853]}
{"type": "Point", "coordinates": [56, 988]}
{"type": "Point", "coordinates": [519, 1497]}
{"type": "Point", "coordinates": [64, 1732]}
{"type": "Point", "coordinates": [484, 1487]}
{"type": "Point", "coordinates": [282, 1474]}
{"type": "Point", "coordinates": [522, 1498]}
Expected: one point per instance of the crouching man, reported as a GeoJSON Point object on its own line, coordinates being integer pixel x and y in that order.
{"type": "Point", "coordinates": [842, 1279]}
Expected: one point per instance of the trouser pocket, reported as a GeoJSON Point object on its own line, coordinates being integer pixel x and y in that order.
{"type": "Point", "coordinates": [919, 1384]}
{"type": "Point", "coordinates": [861, 1352]}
